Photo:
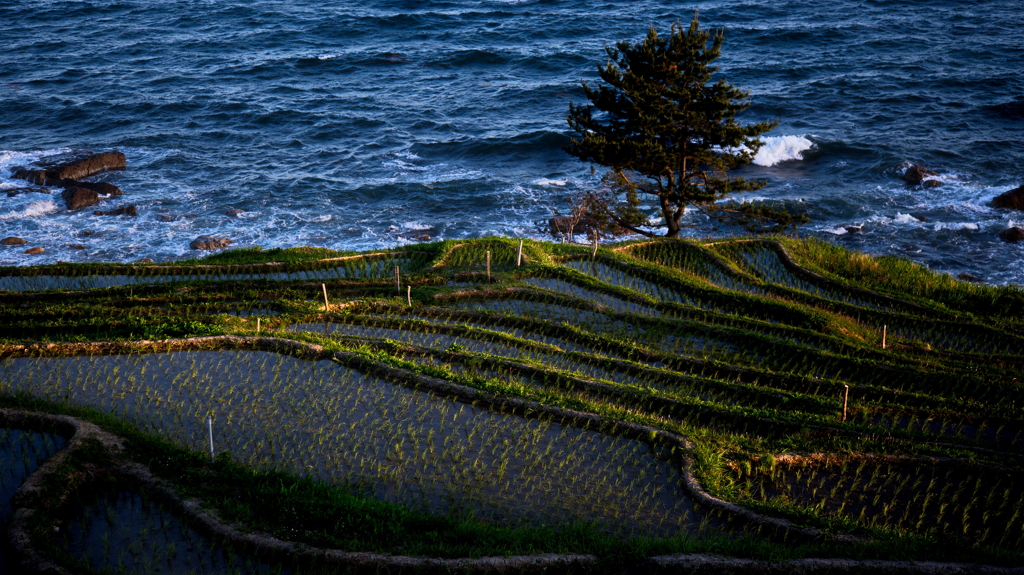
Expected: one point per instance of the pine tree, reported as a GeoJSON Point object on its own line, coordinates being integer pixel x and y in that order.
{"type": "Point", "coordinates": [665, 130]}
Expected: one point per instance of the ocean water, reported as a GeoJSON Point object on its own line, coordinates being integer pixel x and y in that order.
{"type": "Point", "coordinates": [357, 125]}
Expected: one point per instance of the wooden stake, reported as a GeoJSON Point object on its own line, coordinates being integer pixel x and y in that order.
{"type": "Point", "coordinates": [846, 399]}
{"type": "Point", "coordinates": [257, 325]}
{"type": "Point", "coordinates": [209, 425]}
{"type": "Point", "coordinates": [398, 280]}
{"type": "Point", "coordinates": [488, 266]}
{"type": "Point", "coordinates": [408, 295]}
{"type": "Point", "coordinates": [519, 255]}
{"type": "Point", "coordinates": [327, 306]}
{"type": "Point", "coordinates": [883, 336]}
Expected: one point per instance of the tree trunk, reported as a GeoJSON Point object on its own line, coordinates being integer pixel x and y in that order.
{"type": "Point", "coordinates": [671, 219]}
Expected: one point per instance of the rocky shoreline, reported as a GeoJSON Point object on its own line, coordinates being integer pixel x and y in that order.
{"type": "Point", "coordinates": [74, 173]}
{"type": "Point", "coordinates": [69, 172]}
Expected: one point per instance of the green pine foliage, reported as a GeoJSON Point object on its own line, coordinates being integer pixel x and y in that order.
{"type": "Point", "coordinates": [668, 133]}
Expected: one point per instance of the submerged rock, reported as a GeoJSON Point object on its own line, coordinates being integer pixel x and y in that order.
{"type": "Point", "coordinates": [102, 188]}
{"type": "Point", "coordinates": [77, 198]}
{"type": "Point", "coordinates": [34, 189]}
{"type": "Point", "coordinates": [1012, 235]}
{"type": "Point", "coordinates": [122, 211]}
{"type": "Point", "coordinates": [916, 174]}
{"type": "Point", "coordinates": [1011, 200]}
{"type": "Point", "coordinates": [71, 167]}
{"type": "Point", "coordinates": [234, 213]}
{"type": "Point", "coordinates": [12, 241]}
{"type": "Point", "coordinates": [145, 261]}
{"type": "Point", "coordinates": [34, 251]}
{"type": "Point", "coordinates": [209, 243]}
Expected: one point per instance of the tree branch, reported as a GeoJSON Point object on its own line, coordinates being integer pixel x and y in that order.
{"type": "Point", "coordinates": [617, 219]}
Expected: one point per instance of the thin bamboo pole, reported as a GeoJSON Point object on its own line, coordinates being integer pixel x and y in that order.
{"type": "Point", "coordinates": [846, 399]}
{"type": "Point", "coordinates": [398, 280]}
{"type": "Point", "coordinates": [884, 327]}
{"type": "Point", "coordinates": [408, 295]}
{"type": "Point", "coordinates": [209, 426]}
{"type": "Point", "coordinates": [519, 255]}
{"type": "Point", "coordinates": [488, 266]}
{"type": "Point", "coordinates": [327, 306]}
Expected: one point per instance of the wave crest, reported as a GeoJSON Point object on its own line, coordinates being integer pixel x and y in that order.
{"type": "Point", "coordinates": [782, 148]}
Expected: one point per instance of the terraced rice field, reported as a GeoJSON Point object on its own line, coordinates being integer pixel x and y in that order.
{"type": "Point", "coordinates": [856, 397]}
{"type": "Point", "coordinates": [21, 452]}
{"type": "Point", "coordinates": [338, 425]}
{"type": "Point", "coordinates": [122, 532]}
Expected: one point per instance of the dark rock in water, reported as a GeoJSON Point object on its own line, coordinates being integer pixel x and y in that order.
{"type": "Point", "coordinates": [77, 198]}
{"type": "Point", "coordinates": [209, 243]}
{"type": "Point", "coordinates": [71, 167]}
{"type": "Point", "coordinates": [32, 175]}
{"type": "Point", "coordinates": [421, 237]}
{"type": "Point", "coordinates": [12, 241]}
{"type": "Point", "coordinates": [969, 277]}
{"type": "Point", "coordinates": [1011, 200]}
{"type": "Point", "coordinates": [122, 211]}
{"type": "Point", "coordinates": [77, 246]}
{"type": "Point", "coordinates": [234, 213]}
{"type": "Point", "coordinates": [88, 233]}
{"type": "Point", "coordinates": [34, 251]}
{"type": "Point", "coordinates": [34, 189]}
{"type": "Point", "coordinates": [1012, 235]}
{"type": "Point", "coordinates": [102, 188]}
{"type": "Point", "coordinates": [917, 173]}
{"type": "Point", "coordinates": [146, 261]}
{"type": "Point", "coordinates": [165, 218]}
{"type": "Point", "coordinates": [854, 229]}
{"type": "Point", "coordinates": [919, 218]}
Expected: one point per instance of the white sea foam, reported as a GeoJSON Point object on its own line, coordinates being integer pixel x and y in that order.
{"type": "Point", "coordinates": [32, 210]}
{"type": "Point", "coordinates": [416, 226]}
{"type": "Point", "coordinates": [782, 148]}
{"type": "Point", "coordinates": [955, 226]}
{"type": "Point", "coordinates": [547, 182]}
{"type": "Point", "coordinates": [905, 219]}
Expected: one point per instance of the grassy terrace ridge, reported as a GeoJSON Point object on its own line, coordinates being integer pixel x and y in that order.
{"type": "Point", "coordinates": [743, 348]}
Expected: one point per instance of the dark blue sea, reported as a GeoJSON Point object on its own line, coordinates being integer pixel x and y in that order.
{"type": "Point", "coordinates": [358, 125]}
